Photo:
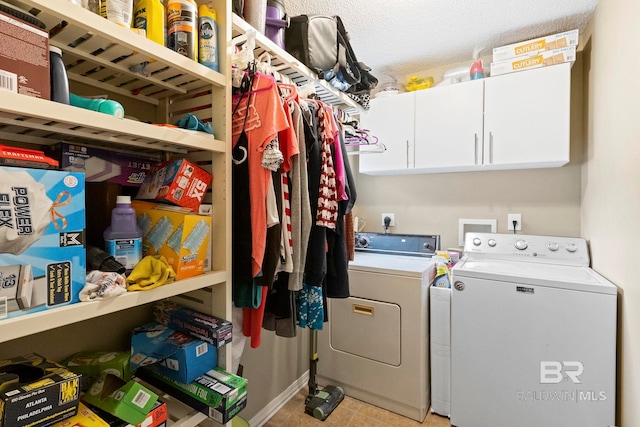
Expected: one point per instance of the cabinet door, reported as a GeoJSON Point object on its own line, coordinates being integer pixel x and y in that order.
{"type": "Point", "coordinates": [526, 118]}
{"type": "Point", "coordinates": [390, 119]}
{"type": "Point", "coordinates": [449, 127]}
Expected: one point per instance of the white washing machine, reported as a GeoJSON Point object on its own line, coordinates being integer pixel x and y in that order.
{"type": "Point", "coordinates": [376, 343]}
{"type": "Point", "coordinates": [533, 335]}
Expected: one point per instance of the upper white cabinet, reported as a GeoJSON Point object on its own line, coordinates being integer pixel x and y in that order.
{"type": "Point", "coordinates": [514, 121]}
{"type": "Point", "coordinates": [391, 119]}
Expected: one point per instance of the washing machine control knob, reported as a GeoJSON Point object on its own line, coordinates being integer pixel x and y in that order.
{"type": "Point", "coordinates": [363, 241]}
{"type": "Point", "coordinates": [477, 241]}
{"type": "Point", "coordinates": [553, 246]}
{"type": "Point", "coordinates": [521, 245]}
{"type": "Point", "coordinates": [492, 242]}
{"type": "Point", "coordinates": [571, 247]}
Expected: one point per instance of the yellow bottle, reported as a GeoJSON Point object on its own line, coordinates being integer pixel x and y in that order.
{"type": "Point", "coordinates": [149, 15]}
{"type": "Point", "coordinates": [208, 37]}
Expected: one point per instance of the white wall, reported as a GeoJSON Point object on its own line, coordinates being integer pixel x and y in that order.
{"type": "Point", "coordinates": [611, 177]}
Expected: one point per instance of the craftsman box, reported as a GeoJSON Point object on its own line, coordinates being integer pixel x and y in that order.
{"type": "Point", "coordinates": [177, 182]}
{"type": "Point", "coordinates": [91, 364]}
{"type": "Point", "coordinates": [217, 394]}
{"type": "Point", "coordinates": [181, 237]}
{"type": "Point", "coordinates": [42, 253]}
{"type": "Point", "coordinates": [208, 328]}
{"type": "Point", "coordinates": [528, 62]}
{"type": "Point", "coordinates": [534, 46]}
{"type": "Point", "coordinates": [100, 165]}
{"type": "Point", "coordinates": [129, 401]}
{"type": "Point", "coordinates": [24, 58]}
{"type": "Point", "coordinates": [177, 355]}
{"type": "Point", "coordinates": [36, 392]}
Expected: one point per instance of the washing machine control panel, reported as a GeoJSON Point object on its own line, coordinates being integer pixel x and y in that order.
{"type": "Point", "coordinates": [549, 249]}
{"type": "Point", "coordinates": [401, 244]}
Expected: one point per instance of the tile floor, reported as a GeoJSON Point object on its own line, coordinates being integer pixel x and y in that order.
{"type": "Point", "coordinates": [350, 413]}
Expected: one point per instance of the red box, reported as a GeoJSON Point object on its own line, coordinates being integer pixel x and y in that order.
{"type": "Point", "coordinates": [156, 417]}
{"type": "Point", "coordinates": [178, 182]}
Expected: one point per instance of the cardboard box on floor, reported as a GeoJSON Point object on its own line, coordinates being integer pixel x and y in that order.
{"type": "Point", "coordinates": [180, 236]}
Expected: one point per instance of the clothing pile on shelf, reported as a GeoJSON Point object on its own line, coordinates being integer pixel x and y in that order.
{"type": "Point", "coordinates": [292, 195]}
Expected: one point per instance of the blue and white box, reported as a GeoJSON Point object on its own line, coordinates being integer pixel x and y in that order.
{"type": "Point", "coordinates": [177, 355]}
{"type": "Point", "coordinates": [42, 249]}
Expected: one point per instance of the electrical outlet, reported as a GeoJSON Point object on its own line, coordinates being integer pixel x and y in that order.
{"type": "Point", "coordinates": [514, 217]}
{"type": "Point", "coordinates": [392, 216]}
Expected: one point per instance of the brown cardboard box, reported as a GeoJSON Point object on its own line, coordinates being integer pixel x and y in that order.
{"type": "Point", "coordinates": [24, 58]}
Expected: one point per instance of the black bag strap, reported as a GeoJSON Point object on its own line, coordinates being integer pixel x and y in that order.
{"type": "Point", "coordinates": [347, 62]}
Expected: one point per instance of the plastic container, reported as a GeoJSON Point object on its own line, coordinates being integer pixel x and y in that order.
{"type": "Point", "coordinates": [255, 13]}
{"type": "Point", "coordinates": [416, 83]}
{"type": "Point", "coordinates": [118, 11]}
{"type": "Point", "coordinates": [276, 22]}
{"type": "Point", "coordinates": [149, 15]}
{"type": "Point", "coordinates": [182, 27]}
{"type": "Point", "coordinates": [58, 73]}
{"type": "Point", "coordinates": [123, 238]}
{"type": "Point", "coordinates": [106, 106]}
{"type": "Point", "coordinates": [477, 70]}
{"type": "Point", "coordinates": [208, 37]}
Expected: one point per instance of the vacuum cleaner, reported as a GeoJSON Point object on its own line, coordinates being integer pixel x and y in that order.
{"type": "Point", "coordinates": [320, 403]}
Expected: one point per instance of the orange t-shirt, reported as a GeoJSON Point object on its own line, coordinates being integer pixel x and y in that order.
{"type": "Point", "coordinates": [262, 122]}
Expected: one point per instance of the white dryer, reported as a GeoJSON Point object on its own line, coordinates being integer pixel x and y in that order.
{"type": "Point", "coordinates": [375, 345]}
{"type": "Point", "coordinates": [533, 335]}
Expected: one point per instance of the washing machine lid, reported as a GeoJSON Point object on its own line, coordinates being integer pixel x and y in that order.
{"type": "Point", "coordinates": [399, 265]}
{"type": "Point", "coordinates": [577, 278]}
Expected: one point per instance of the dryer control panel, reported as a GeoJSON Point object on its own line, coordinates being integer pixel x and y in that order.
{"type": "Point", "coordinates": [544, 249]}
{"type": "Point", "coordinates": [399, 244]}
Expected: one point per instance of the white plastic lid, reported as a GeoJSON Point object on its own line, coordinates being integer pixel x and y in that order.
{"type": "Point", "coordinates": [55, 49]}
{"type": "Point", "coordinates": [123, 200]}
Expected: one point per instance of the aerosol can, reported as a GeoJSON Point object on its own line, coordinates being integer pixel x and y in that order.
{"type": "Point", "coordinates": [182, 27]}
{"type": "Point", "coordinates": [208, 37]}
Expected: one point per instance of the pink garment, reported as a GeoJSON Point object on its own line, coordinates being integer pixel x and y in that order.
{"type": "Point", "coordinates": [338, 160]}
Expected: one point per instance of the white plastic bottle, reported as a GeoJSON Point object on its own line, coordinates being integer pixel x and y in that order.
{"type": "Point", "coordinates": [118, 11]}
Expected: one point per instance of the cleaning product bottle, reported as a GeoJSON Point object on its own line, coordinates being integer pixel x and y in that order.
{"type": "Point", "coordinates": [182, 27]}
{"type": "Point", "coordinates": [208, 36]}
{"type": "Point", "coordinates": [149, 15]}
{"type": "Point", "coordinates": [118, 11]}
{"type": "Point", "coordinates": [123, 238]}
{"type": "Point", "coordinates": [477, 69]}
{"type": "Point", "coordinates": [106, 106]}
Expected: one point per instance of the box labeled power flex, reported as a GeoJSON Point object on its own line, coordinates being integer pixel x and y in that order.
{"type": "Point", "coordinates": [181, 237]}
{"type": "Point", "coordinates": [42, 253]}
{"type": "Point", "coordinates": [103, 165]}
{"type": "Point", "coordinates": [217, 394]}
{"type": "Point", "coordinates": [177, 355]}
{"type": "Point", "coordinates": [208, 328]}
{"type": "Point", "coordinates": [24, 58]}
{"type": "Point", "coordinates": [178, 182]}
{"type": "Point", "coordinates": [36, 392]}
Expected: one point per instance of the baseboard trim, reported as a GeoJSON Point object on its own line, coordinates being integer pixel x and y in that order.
{"type": "Point", "coordinates": [276, 404]}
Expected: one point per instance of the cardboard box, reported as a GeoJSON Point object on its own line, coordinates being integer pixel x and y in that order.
{"type": "Point", "coordinates": [158, 417]}
{"type": "Point", "coordinates": [84, 418]}
{"type": "Point", "coordinates": [177, 182]}
{"type": "Point", "coordinates": [217, 394]}
{"type": "Point", "coordinates": [91, 364]}
{"type": "Point", "coordinates": [129, 401]}
{"type": "Point", "coordinates": [534, 46]}
{"type": "Point", "coordinates": [24, 58]}
{"type": "Point", "coordinates": [541, 59]}
{"type": "Point", "coordinates": [178, 355]}
{"type": "Point", "coordinates": [99, 165]}
{"type": "Point", "coordinates": [42, 252]}
{"type": "Point", "coordinates": [208, 328]}
{"type": "Point", "coordinates": [36, 392]}
{"type": "Point", "coordinates": [181, 237]}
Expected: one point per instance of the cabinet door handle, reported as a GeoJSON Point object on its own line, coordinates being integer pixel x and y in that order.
{"type": "Point", "coordinates": [475, 148]}
{"type": "Point", "coordinates": [491, 147]}
{"type": "Point", "coordinates": [407, 154]}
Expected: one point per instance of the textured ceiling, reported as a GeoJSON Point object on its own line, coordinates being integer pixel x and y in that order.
{"type": "Point", "coordinates": [402, 37]}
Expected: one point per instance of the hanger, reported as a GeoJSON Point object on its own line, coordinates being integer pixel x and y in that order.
{"type": "Point", "coordinates": [289, 92]}
{"type": "Point", "coordinates": [246, 88]}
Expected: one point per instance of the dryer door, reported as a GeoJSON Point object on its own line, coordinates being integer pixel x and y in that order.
{"type": "Point", "coordinates": [366, 328]}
